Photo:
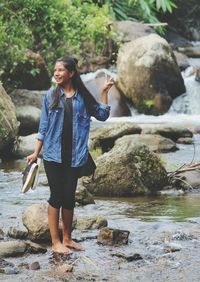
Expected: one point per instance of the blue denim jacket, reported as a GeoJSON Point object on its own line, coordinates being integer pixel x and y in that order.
{"type": "Point", "coordinates": [51, 123]}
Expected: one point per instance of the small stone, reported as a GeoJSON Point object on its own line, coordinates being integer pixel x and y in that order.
{"type": "Point", "coordinates": [17, 233]}
{"type": "Point", "coordinates": [172, 247]}
{"type": "Point", "coordinates": [12, 248]}
{"type": "Point", "coordinates": [9, 270]}
{"type": "Point", "coordinates": [1, 234]}
{"type": "Point", "coordinates": [91, 223]}
{"type": "Point", "coordinates": [34, 248]}
{"type": "Point", "coordinates": [184, 140]}
{"type": "Point", "coordinates": [129, 258]}
{"type": "Point", "coordinates": [83, 197]}
{"type": "Point", "coordinates": [4, 263]}
{"type": "Point", "coordinates": [109, 236]}
{"type": "Point", "coordinates": [34, 266]}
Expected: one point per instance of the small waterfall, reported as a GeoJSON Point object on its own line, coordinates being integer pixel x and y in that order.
{"type": "Point", "coordinates": [189, 102]}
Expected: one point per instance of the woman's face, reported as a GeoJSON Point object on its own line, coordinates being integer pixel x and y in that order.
{"type": "Point", "coordinates": [61, 75]}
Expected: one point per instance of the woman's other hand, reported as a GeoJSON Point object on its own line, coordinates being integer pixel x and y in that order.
{"type": "Point", "coordinates": [31, 158]}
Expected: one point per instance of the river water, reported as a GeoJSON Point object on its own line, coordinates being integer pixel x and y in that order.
{"type": "Point", "coordinates": [153, 221]}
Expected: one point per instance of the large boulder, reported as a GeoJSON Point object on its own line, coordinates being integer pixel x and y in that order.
{"type": "Point", "coordinates": [132, 30]}
{"type": "Point", "coordinates": [28, 105]}
{"type": "Point", "coordinates": [26, 145]}
{"type": "Point", "coordinates": [148, 74]}
{"type": "Point", "coordinates": [115, 99]}
{"type": "Point", "coordinates": [155, 143]}
{"type": "Point", "coordinates": [24, 97]}
{"type": "Point", "coordinates": [127, 170]}
{"type": "Point", "coordinates": [29, 118]}
{"type": "Point", "coordinates": [32, 73]}
{"type": "Point", "coordinates": [8, 123]}
{"type": "Point", "coordinates": [105, 136]}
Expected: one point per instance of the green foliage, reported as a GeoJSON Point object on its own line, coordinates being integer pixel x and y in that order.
{"type": "Point", "coordinates": [143, 10]}
{"type": "Point", "coordinates": [53, 28]}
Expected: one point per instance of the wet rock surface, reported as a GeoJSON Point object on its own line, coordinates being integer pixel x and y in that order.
{"type": "Point", "coordinates": [8, 122]}
{"type": "Point", "coordinates": [148, 74]}
{"type": "Point", "coordinates": [91, 223]}
{"type": "Point", "coordinates": [113, 237]}
{"type": "Point", "coordinates": [17, 233]}
{"type": "Point", "coordinates": [155, 143]}
{"type": "Point", "coordinates": [105, 136]}
{"type": "Point", "coordinates": [12, 248]}
{"type": "Point", "coordinates": [172, 132]}
{"type": "Point", "coordinates": [127, 170]}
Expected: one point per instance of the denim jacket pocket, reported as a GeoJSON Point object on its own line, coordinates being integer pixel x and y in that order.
{"type": "Point", "coordinates": [83, 120]}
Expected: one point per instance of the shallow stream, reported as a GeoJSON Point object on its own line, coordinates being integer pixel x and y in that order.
{"type": "Point", "coordinates": [153, 221]}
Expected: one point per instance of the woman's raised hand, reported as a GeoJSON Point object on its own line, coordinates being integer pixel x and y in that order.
{"type": "Point", "coordinates": [108, 83]}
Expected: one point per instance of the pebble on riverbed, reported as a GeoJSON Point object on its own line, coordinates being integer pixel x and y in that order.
{"type": "Point", "coordinates": [1, 234]}
{"type": "Point", "coordinates": [111, 237]}
{"type": "Point", "coordinates": [17, 233]}
{"type": "Point", "coordinates": [128, 258]}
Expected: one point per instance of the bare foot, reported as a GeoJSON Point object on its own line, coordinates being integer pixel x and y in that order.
{"type": "Point", "coordinates": [61, 249]}
{"type": "Point", "coordinates": [73, 245]}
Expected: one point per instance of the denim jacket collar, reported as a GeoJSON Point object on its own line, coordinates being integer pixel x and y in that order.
{"type": "Point", "coordinates": [76, 95]}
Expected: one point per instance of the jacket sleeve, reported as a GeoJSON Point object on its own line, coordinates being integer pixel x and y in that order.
{"type": "Point", "coordinates": [43, 120]}
{"type": "Point", "coordinates": [100, 111]}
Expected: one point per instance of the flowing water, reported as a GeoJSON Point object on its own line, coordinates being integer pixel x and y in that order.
{"type": "Point", "coordinates": [151, 220]}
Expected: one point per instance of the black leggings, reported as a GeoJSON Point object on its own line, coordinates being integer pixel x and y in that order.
{"type": "Point", "coordinates": [62, 181]}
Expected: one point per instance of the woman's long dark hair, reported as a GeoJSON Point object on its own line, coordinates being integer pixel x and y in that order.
{"type": "Point", "coordinates": [70, 64]}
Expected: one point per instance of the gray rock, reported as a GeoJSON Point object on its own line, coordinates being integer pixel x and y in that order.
{"type": "Point", "coordinates": [26, 145]}
{"type": "Point", "coordinates": [1, 234]}
{"type": "Point", "coordinates": [113, 237]}
{"type": "Point", "coordinates": [34, 266]}
{"type": "Point", "coordinates": [12, 248]}
{"type": "Point", "coordinates": [191, 179]}
{"type": "Point", "coordinates": [190, 51]}
{"type": "Point", "coordinates": [8, 123]}
{"type": "Point", "coordinates": [155, 143]}
{"type": "Point", "coordinates": [34, 248]}
{"type": "Point", "coordinates": [184, 140]}
{"type": "Point", "coordinates": [29, 117]}
{"type": "Point", "coordinates": [91, 223]}
{"type": "Point", "coordinates": [105, 136]}
{"type": "Point", "coordinates": [182, 60]}
{"type": "Point", "coordinates": [24, 97]}
{"type": "Point", "coordinates": [148, 74]}
{"type": "Point", "coordinates": [10, 270]}
{"type": "Point", "coordinates": [132, 30]}
{"type": "Point", "coordinates": [172, 132]}
{"type": "Point", "coordinates": [4, 263]}
{"type": "Point", "coordinates": [126, 171]}
{"type": "Point", "coordinates": [172, 247]}
{"type": "Point", "coordinates": [35, 219]}
{"type": "Point", "coordinates": [128, 258]}
{"type": "Point", "coordinates": [83, 197]}
{"type": "Point", "coordinates": [17, 233]}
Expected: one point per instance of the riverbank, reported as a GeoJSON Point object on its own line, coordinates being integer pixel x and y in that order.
{"type": "Point", "coordinates": [163, 245]}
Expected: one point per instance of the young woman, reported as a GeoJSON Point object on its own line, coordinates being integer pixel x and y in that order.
{"type": "Point", "coordinates": [63, 134]}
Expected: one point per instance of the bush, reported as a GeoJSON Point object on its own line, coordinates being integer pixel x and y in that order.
{"type": "Point", "coordinates": [53, 28]}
